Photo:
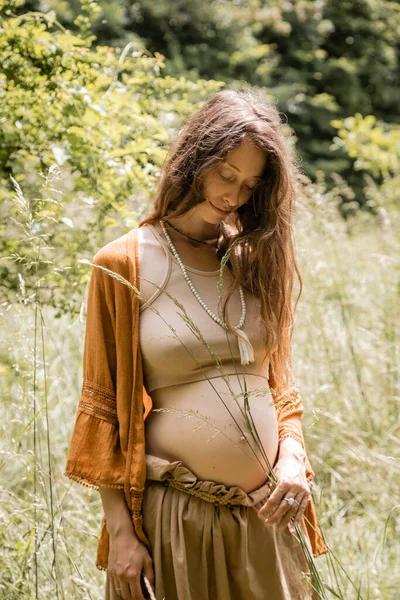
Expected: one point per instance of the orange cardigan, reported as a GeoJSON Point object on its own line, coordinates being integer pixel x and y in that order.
{"type": "Point", "coordinates": [107, 448]}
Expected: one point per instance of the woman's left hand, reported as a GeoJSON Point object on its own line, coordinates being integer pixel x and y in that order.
{"type": "Point", "coordinates": [290, 471]}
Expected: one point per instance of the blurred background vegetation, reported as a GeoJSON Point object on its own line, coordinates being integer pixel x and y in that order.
{"type": "Point", "coordinates": [91, 93]}
{"type": "Point", "coordinates": [323, 62]}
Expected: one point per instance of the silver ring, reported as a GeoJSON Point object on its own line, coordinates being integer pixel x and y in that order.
{"type": "Point", "coordinates": [290, 500]}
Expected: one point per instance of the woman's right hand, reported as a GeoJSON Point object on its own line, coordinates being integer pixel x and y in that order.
{"type": "Point", "coordinates": [127, 558]}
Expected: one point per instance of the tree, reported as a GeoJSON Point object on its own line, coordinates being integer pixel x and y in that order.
{"type": "Point", "coordinates": [84, 134]}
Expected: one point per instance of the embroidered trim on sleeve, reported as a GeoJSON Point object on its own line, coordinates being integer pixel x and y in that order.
{"type": "Point", "coordinates": [99, 402]}
{"type": "Point", "coordinates": [90, 483]}
{"type": "Point", "coordinates": [105, 413]}
{"type": "Point", "coordinates": [91, 389]}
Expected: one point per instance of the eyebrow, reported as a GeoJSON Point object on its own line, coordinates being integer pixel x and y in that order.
{"type": "Point", "coordinates": [235, 167]}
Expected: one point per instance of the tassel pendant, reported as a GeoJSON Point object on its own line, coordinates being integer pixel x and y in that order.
{"type": "Point", "coordinates": [245, 348]}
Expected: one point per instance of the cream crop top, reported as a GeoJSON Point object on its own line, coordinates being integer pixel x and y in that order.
{"type": "Point", "coordinates": [168, 360]}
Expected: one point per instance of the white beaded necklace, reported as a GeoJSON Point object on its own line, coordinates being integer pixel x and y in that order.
{"type": "Point", "coordinates": [245, 347]}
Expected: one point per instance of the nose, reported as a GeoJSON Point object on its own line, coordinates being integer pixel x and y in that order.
{"type": "Point", "coordinates": [229, 203]}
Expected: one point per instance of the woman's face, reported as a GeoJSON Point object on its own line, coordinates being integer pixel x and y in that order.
{"type": "Point", "coordinates": [230, 184]}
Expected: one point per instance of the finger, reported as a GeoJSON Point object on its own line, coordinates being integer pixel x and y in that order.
{"type": "Point", "coordinates": [290, 514]}
{"type": "Point", "coordinates": [125, 591]}
{"type": "Point", "coordinates": [274, 500]}
{"type": "Point", "coordinates": [282, 506]}
{"type": "Point", "coordinates": [111, 580]}
{"type": "Point", "coordinates": [136, 590]}
{"type": "Point", "coordinates": [149, 572]}
{"type": "Point", "coordinates": [115, 584]}
{"type": "Point", "coordinates": [283, 511]}
{"type": "Point", "coordinates": [301, 509]}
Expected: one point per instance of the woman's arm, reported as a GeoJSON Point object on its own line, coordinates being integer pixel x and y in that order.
{"type": "Point", "coordinates": [293, 468]}
{"type": "Point", "coordinates": [116, 511]}
{"type": "Point", "coordinates": [292, 447]}
{"type": "Point", "coordinates": [128, 556]}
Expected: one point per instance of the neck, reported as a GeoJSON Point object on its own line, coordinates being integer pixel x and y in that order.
{"type": "Point", "coordinates": [195, 227]}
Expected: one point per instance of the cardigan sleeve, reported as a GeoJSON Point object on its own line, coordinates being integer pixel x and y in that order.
{"type": "Point", "coordinates": [95, 458]}
{"type": "Point", "coordinates": [289, 408]}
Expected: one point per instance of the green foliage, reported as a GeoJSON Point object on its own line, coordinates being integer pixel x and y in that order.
{"type": "Point", "coordinates": [376, 148]}
{"type": "Point", "coordinates": [84, 134]}
{"type": "Point", "coordinates": [331, 60]}
{"type": "Point", "coordinates": [84, 131]}
{"type": "Point", "coordinates": [320, 61]}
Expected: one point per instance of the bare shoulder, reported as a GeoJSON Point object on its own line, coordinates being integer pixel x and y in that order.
{"type": "Point", "coordinates": [153, 261]}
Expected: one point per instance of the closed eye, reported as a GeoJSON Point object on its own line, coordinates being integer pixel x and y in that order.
{"type": "Point", "coordinates": [226, 178]}
{"type": "Point", "coordinates": [231, 180]}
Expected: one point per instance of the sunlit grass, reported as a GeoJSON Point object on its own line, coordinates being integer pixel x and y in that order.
{"type": "Point", "coordinates": [346, 359]}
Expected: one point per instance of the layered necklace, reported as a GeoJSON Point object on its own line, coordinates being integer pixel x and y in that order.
{"type": "Point", "coordinates": [245, 347]}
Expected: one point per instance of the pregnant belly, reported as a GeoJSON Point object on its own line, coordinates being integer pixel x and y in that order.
{"type": "Point", "coordinates": [203, 426]}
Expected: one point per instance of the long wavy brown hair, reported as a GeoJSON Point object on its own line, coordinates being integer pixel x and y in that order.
{"type": "Point", "coordinates": [262, 227]}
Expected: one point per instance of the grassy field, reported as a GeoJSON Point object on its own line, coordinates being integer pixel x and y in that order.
{"type": "Point", "coordinates": [346, 359]}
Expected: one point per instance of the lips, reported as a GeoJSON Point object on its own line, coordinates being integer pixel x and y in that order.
{"type": "Point", "coordinates": [219, 210]}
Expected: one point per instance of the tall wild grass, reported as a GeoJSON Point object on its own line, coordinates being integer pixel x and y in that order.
{"type": "Point", "coordinates": [346, 363]}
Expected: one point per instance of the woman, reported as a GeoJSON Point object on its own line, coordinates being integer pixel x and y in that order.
{"type": "Point", "coordinates": [214, 526]}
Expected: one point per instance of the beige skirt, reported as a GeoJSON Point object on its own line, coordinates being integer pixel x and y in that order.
{"type": "Point", "coordinates": [208, 543]}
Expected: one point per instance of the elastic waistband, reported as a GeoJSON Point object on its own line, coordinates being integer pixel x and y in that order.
{"type": "Point", "coordinates": [176, 475]}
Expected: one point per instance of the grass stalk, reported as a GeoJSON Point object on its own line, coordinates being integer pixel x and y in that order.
{"type": "Point", "coordinates": [35, 486]}
{"type": "Point", "coordinates": [49, 465]}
